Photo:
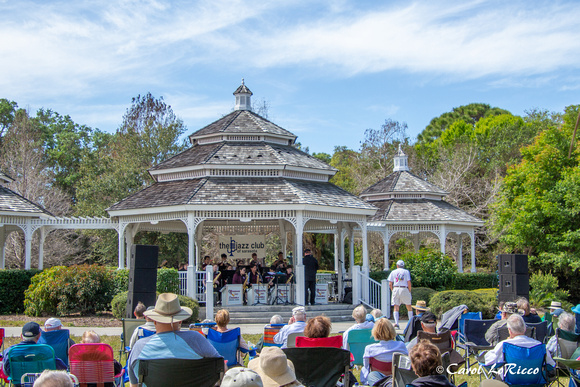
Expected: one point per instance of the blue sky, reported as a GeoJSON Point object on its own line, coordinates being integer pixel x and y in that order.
{"type": "Point", "coordinates": [328, 69]}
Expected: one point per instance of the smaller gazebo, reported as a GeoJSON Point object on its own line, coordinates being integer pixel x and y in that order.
{"type": "Point", "coordinates": [413, 208]}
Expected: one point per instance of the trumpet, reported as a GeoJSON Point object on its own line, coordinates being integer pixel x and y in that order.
{"type": "Point", "coordinates": [215, 284]}
{"type": "Point", "coordinates": [289, 280]}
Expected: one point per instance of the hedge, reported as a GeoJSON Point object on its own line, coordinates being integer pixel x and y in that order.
{"type": "Point", "coordinates": [484, 300]}
{"type": "Point", "coordinates": [167, 280]}
{"type": "Point", "coordinates": [13, 283]}
{"type": "Point", "coordinates": [471, 281]}
{"type": "Point", "coordinates": [119, 306]}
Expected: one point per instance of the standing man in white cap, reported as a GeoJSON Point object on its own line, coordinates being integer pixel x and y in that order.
{"type": "Point", "coordinates": [297, 323]}
{"type": "Point", "coordinates": [400, 284]}
{"type": "Point", "coordinates": [170, 342]}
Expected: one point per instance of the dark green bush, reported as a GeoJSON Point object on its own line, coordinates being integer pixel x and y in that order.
{"type": "Point", "coordinates": [121, 279]}
{"type": "Point", "coordinates": [489, 298]}
{"type": "Point", "coordinates": [445, 300]}
{"type": "Point", "coordinates": [167, 281]}
{"type": "Point", "coordinates": [424, 294]}
{"type": "Point", "coordinates": [61, 291]}
{"type": "Point", "coordinates": [119, 305]}
{"type": "Point", "coordinates": [429, 268]}
{"type": "Point", "coordinates": [379, 275]}
{"type": "Point", "coordinates": [470, 281]}
{"type": "Point", "coordinates": [13, 283]}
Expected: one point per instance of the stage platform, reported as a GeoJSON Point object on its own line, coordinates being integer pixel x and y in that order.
{"type": "Point", "coordinates": [261, 314]}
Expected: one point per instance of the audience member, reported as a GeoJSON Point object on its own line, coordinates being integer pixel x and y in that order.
{"type": "Point", "coordinates": [377, 313]}
{"type": "Point", "coordinates": [426, 363]}
{"type": "Point", "coordinates": [274, 368]}
{"type": "Point", "coordinates": [517, 330]}
{"type": "Point", "coordinates": [414, 324]}
{"type": "Point", "coordinates": [241, 377]}
{"type": "Point", "coordinates": [556, 308]}
{"type": "Point", "coordinates": [318, 327]}
{"type": "Point", "coordinates": [428, 324]}
{"type": "Point", "coordinates": [222, 319]}
{"type": "Point", "coordinates": [92, 337]}
{"type": "Point", "coordinates": [54, 324]}
{"type": "Point", "coordinates": [400, 284]}
{"type": "Point", "coordinates": [566, 322]}
{"type": "Point", "coordinates": [359, 314]}
{"type": "Point", "coordinates": [50, 378]}
{"type": "Point", "coordinates": [30, 334]}
{"type": "Point", "coordinates": [274, 320]}
{"type": "Point", "coordinates": [139, 310]}
{"type": "Point", "coordinates": [296, 324]}
{"type": "Point", "coordinates": [169, 342]}
{"type": "Point", "coordinates": [384, 331]}
{"type": "Point", "coordinates": [492, 334]}
{"type": "Point", "coordinates": [500, 307]}
{"type": "Point", "coordinates": [138, 332]}
{"type": "Point", "coordinates": [530, 317]}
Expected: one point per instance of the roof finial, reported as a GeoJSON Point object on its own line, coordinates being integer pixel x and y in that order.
{"type": "Point", "coordinates": [243, 100]}
{"type": "Point", "coordinates": [400, 161]}
{"type": "Point", "coordinates": [242, 81]}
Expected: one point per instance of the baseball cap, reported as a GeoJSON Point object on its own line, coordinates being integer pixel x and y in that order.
{"type": "Point", "coordinates": [241, 377]}
{"type": "Point", "coordinates": [298, 310]}
{"type": "Point", "coordinates": [52, 323]}
{"type": "Point", "coordinates": [400, 263]}
{"type": "Point", "coordinates": [30, 329]}
{"type": "Point", "coordinates": [428, 318]}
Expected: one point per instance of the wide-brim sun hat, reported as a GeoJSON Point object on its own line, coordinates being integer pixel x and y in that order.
{"type": "Point", "coordinates": [555, 305]}
{"type": "Point", "coordinates": [273, 367]}
{"type": "Point", "coordinates": [421, 306]}
{"type": "Point", "coordinates": [168, 310]}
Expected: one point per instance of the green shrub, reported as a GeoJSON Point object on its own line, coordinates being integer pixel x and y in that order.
{"type": "Point", "coordinates": [424, 294]}
{"type": "Point", "coordinates": [429, 268]}
{"type": "Point", "coordinates": [471, 281]}
{"type": "Point", "coordinates": [489, 298]}
{"type": "Point", "coordinates": [119, 305]}
{"type": "Point", "coordinates": [544, 289]}
{"type": "Point", "coordinates": [379, 275]}
{"type": "Point", "coordinates": [167, 281]}
{"type": "Point", "coordinates": [445, 300]}
{"type": "Point", "coordinates": [61, 291]}
{"type": "Point", "coordinates": [13, 283]}
{"type": "Point", "coordinates": [121, 279]}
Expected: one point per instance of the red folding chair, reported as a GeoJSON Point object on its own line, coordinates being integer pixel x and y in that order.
{"type": "Point", "coordinates": [384, 367]}
{"type": "Point", "coordinates": [332, 341]}
{"type": "Point", "coordinates": [93, 363]}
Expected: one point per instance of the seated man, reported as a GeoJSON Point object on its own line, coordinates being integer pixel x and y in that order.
{"type": "Point", "coordinates": [169, 342]}
{"type": "Point", "coordinates": [359, 314]}
{"type": "Point", "coordinates": [428, 324]}
{"type": "Point", "coordinates": [492, 334]}
{"type": "Point", "coordinates": [530, 317]}
{"type": "Point", "coordinates": [296, 324]}
{"type": "Point", "coordinates": [426, 363]}
{"type": "Point", "coordinates": [30, 335]}
{"type": "Point", "coordinates": [138, 333]}
{"type": "Point", "coordinates": [567, 322]}
{"type": "Point", "coordinates": [414, 324]}
{"type": "Point", "coordinates": [517, 330]}
{"type": "Point", "coordinates": [54, 324]}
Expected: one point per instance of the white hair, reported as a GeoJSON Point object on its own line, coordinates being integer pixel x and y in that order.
{"type": "Point", "coordinates": [359, 314]}
{"type": "Point", "coordinates": [276, 319]}
{"type": "Point", "coordinates": [567, 322]}
{"type": "Point", "coordinates": [516, 324]}
{"type": "Point", "coordinates": [50, 378]}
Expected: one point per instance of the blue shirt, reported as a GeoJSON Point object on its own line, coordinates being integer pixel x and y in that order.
{"type": "Point", "coordinates": [282, 336]}
{"type": "Point", "coordinates": [383, 351]}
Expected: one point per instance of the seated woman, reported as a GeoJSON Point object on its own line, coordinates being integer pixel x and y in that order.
{"type": "Point", "coordinates": [382, 351]}
{"type": "Point", "coordinates": [222, 319]}
{"type": "Point", "coordinates": [89, 337]}
{"type": "Point", "coordinates": [566, 322]}
{"type": "Point", "coordinates": [359, 314]}
{"type": "Point", "coordinates": [426, 361]}
{"type": "Point", "coordinates": [318, 327]}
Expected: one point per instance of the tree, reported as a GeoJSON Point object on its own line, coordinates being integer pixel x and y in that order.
{"type": "Point", "coordinates": [7, 112]}
{"type": "Point", "coordinates": [538, 209]}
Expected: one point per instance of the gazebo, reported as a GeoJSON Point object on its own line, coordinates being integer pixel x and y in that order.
{"type": "Point", "coordinates": [413, 208]}
{"type": "Point", "coordinates": [242, 173]}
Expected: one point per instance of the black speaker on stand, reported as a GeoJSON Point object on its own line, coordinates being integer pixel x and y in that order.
{"type": "Point", "coordinates": [142, 277]}
{"type": "Point", "coordinates": [514, 280]}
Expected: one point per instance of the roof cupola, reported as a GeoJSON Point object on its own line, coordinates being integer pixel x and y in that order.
{"type": "Point", "coordinates": [243, 97]}
{"type": "Point", "coordinates": [401, 161]}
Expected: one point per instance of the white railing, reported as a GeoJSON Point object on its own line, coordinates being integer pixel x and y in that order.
{"type": "Point", "coordinates": [199, 287]}
{"type": "Point", "coordinates": [371, 293]}
{"type": "Point", "coordinates": [182, 282]}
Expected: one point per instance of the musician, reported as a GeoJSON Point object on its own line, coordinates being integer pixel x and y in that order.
{"type": "Point", "coordinates": [255, 277]}
{"type": "Point", "coordinates": [290, 275]}
{"type": "Point", "coordinates": [254, 261]}
{"type": "Point", "coordinates": [218, 282]}
{"type": "Point", "coordinates": [206, 261]}
{"type": "Point", "coordinates": [224, 262]}
{"type": "Point", "coordinates": [280, 263]}
{"type": "Point", "coordinates": [239, 276]}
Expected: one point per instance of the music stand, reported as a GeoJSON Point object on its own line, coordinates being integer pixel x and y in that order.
{"type": "Point", "coordinates": [254, 290]}
{"type": "Point", "coordinates": [281, 280]}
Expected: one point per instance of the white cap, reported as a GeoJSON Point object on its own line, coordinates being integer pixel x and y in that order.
{"type": "Point", "coordinates": [400, 263]}
{"type": "Point", "coordinates": [52, 323]}
{"type": "Point", "coordinates": [298, 310]}
{"type": "Point", "coordinates": [241, 377]}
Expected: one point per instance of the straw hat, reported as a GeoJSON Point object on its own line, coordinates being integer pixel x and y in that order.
{"type": "Point", "coordinates": [273, 367]}
{"type": "Point", "coordinates": [168, 310]}
{"type": "Point", "coordinates": [420, 305]}
{"type": "Point", "coordinates": [555, 305]}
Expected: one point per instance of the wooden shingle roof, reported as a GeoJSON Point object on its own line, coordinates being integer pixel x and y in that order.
{"type": "Point", "coordinates": [402, 181]}
{"type": "Point", "coordinates": [242, 121]}
{"type": "Point", "coordinates": [420, 210]}
{"type": "Point", "coordinates": [10, 201]}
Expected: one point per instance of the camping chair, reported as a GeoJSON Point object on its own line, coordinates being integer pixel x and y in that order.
{"type": "Point", "coordinates": [329, 342]}
{"type": "Point", "coordinates": [403, 374]}
{"type": "Point", "coordinates": [93, 363]}
{"type": "Point", "coordinates": [32, 359]}
{"type": "Point", "coordinates": [540, 331]}
{"type": "Point", "coordinates": [473, 339]}
{"type": "Point", "coordinates": [572, 366]}
{"type": "Point", "coordinates": [27, 380]}
{"type": "Point", "coordinates": [270, 331]}
{"type": "Point", "coordinates": [58, 340]}
{"type": "Point", "coordinates": [357, 341]}
{"type": "Point", "coordinates": [384, 367]}
{"type": "Point", "coordinates": [228, 344]}
{"type": "Point", "coordinates": [205, 372]}
{"type": "Point", "coordinates": [129, 326]}
{"type": "Point", "coordinates": [533, 358]}
{"type": "Point", "coordinates": [568, 343]}
{"type": "Point", "coordinates": [444, 342]}
{"type": "Point", "coordinates": [199, 327]}
{"type": "Point", "coordinates": [291, 340]}
{"type": "Point", "coordinates": [412, 328]}
{"type": "Point", "coordinates": [467, 316]}
{"type": "Point", "coordinates": [503, 332]}
{"type": "Point", "coordinates": [321, 367]}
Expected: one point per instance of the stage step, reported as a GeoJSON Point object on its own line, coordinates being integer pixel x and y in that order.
{"type": "Point", "coordinates": [261, 314]}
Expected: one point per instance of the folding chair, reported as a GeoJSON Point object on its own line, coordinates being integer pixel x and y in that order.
{"type": "Point", "coordinates": [403, 374]}
{"type": "Point", "coordinates": [205, 372]}
{"type": "Point", "coordinates": [58, 340]}
{"type": "Point", "coordinates": [32, 359]}
{"type": "Point", "coordinates": [568, 344]}
{"type": "Point", "coordinates": [444, 342]}
{"type": "Point", "coordinates": [321, 367]}
{"type": "Point", "coordinates": [533, 360]}
{"type": "Point", "coordinates": [199, 327]}
{"type": "Point", "coordinates": [473, 339]}
{"type": "Point", "coordinates": [384, 367]}
{"type": "Point", "coordinates": [94, 363]}
{"type": "Point", "coordinates": [412, 328]}
{"type": "Point", "coordinates": [467, 316]}
{"type": "Point", "coordinates": [540, 331]}
{"type": "Point", "coordinates": [228, 344]}
{"type": "Point", "coordinates": [27, 380]}
{"type": "Point", "coordinates": [503, 332]}
{"type": "Point", "coordinates": [572, 366]}
{"type": "Point", "coordinates": [357, 341]}
{"type": "Point", "coordinates": [329, 342]}
{"type": "Point", "coordinates": [291, 340]}
{"type": "Point", "coordinates": [269, 332]}
{"type": "Point", "coordinates": [129, 326]}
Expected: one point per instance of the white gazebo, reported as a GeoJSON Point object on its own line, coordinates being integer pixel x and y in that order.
{"type": "Point", "coordinates": [413, 208]}
{"type": "Point", "coordinates": [243, 173]}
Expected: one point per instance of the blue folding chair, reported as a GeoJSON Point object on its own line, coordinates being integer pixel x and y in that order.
{"type": "Point", "coordinates": [29, 359]}
{"type": "Point", "coordinates": [473, 339]}
{"type": "Point", "coordinates": [540, 331]}
{"type": "Point", "coordinates": [467, 316]}
{"type": "Point", "coordinates": [532, 360]}
{"type": "Point", "coordinates": [58, 340]}
{"type": "Point", "coordinates": [228, 344]}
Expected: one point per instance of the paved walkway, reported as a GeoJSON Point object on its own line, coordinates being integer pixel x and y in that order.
{"type": "Point", "coordinates": [246, 329]}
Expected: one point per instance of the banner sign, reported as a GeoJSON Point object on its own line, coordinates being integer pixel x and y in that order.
{"type": "Point", "coordinates": [259, 294]}
{"type": "Point", "coordinates": [232, 295]}
{"type": "Point", "coordinates": [321, 296]}
{"type": "Point", "coordinates": [242, 246]}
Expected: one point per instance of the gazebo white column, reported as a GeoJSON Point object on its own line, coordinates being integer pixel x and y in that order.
{"type": "Point", "coordinates": [283, 237]}
{"type": "Point", "coordinates": [472, 236]}
{"type": "Point", "coordinates": [121, 238]}
{"type": "Point", "coordinates": [299, 229]}
{"type": "Point", "coordinates": [416, 242]}
{"type": "Point", "coordinates": [28, 231]}
{"type": "Point", "coordinates": [351, 249]}
{"type": "Point", "coordinates": [442, 237]}
{"type": "Point", "coordinates": [41, 248]}
{"type": "Point", "coordinates": [459, 253]}
{"type": "Point", "coordinates": [385, 235]}
{"type": "Point", "coordinates": [342, 265]}
{"type": "Point", "coordinates": [191, 267]}
{"type": "Point", "coordinates": [2, 247]}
